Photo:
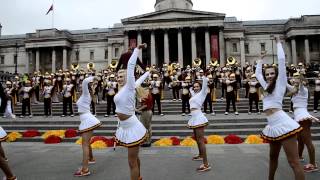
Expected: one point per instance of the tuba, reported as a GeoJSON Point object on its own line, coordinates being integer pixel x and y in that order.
{"type": "Point", "coordinates": [90, 66]}
{"type": "Point", "coordinates": [75, 66]}
{"type": "Point", "coordinates": [213, 62]}
{"type": "Point", "coordinates": [231, 61]}
{"type": "Point", "coordinates": [113, 64]}
{"type": "Point", "coordinates": [196, 63]}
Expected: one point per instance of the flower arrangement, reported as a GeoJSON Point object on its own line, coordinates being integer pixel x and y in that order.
{"type": "Point", "coordinates": [254, 139]}
{"type": "Point", "coordinates": [215, 139]}
{"type": "Point", "coordinates": [31, 133]}
{"type": "Point", "coordinates": [52, 139]}
{"type": "Point", "coordinates": [233, 139]}
{"type": "Point", "coordinates": [70, 133]}
{"type": "Point", "coordinates": [13, 136]}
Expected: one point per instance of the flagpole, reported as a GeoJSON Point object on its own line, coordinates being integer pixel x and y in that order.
{"type": "Point", "coordinates": [52, 23]}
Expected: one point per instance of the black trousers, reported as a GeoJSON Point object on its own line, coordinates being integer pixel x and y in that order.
{"type": "Point", "coordinates": [316, 99]}
{"type": "Point", "coordinates": [25, 104]}
{"type": "Point", "coordinates": [175, 92]}
{"type": "Point", "coordinates": [247, 89]}
{"type": "Point", "coordinates": [223, 88]}
{"type": "Point", "coordinates": [253, 97]}
{"type": "Point", "coordinates": [67, 101]}
{"type": "Point", "coordinates": [206, 102]}
{"type": "Point", "coordinates": [156, 98]}
{"type": "Point", "coordinates": [93, 107]}
{"type": "Point", "coordinates": [110, 103]}
{"type": "Point", "coordinates": [36, 91]}
{"type": "Point", "coordinates": [185, 103]}
{"type": "Point", "coordinates": [47, 106]}
{"type": "Point", "coordinates": [231, 96]}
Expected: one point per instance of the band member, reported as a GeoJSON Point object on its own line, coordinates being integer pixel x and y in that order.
{"type": "Point", "coordinates": [86, 127]}
{"type": "Point", "coordinates": [59, 81]}
{"type": "Point", "coordinates": [74, 81]}
{"type": "Point", "coordinates": [67, 92]}
{"type": "Point", "coordinates": [165, 75]}
{"type": "Point", "coordinates": [145, 96]}
{"type": "Point", "coordinates": [208, 99]}
{"type": "Point", "coordinates": [26, 103]}
{"type": "Point", "coordinates": [223, 78]}
{"type": "Point", "coordinates": [247, 76]}
{"type": "Point", "coordinates": [253, 93]}
{"type": "Point", "coordinates": [47, 101]}
{"type": "Point", "coordinates": [186, 85]}
{"type": "Point", "coordinates": [55, 91]}
{"type": "Point", "coordinates": [9, 91]}
{"type": "Point", "coordinates": [316, 95]}
{"type": "Point", "coordinates": [175, 85]}
{"type": "Point", "coordinates": [281, 129]}
{"type": "Point", "coordinates": [36, 80]}
{"type": "Point", "coordinates": [93, 89]}
{"type": "Point", "coordinates": [301, 115]}
{"type": "Point", "coordinates": [131, 132]}
{"type": "Point", "coordinates": [198, 121]}
{"type": "Point", "coordinates": [111, 89]}
{"type": "Point", "coordinates": [231, 85]}
{"type": "Point", "coordinates": [124, 58]}
{"type": "Point", "coordinates": [155, 87]}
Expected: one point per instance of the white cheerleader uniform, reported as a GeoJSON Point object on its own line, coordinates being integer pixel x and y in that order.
{"type": "Point", "coordinates": [3, 134]}
{"type": "Point", "coordinates": [197, 118]}
{"type": "Point", "coordinates": [300, 104]}
{"type": "Point", "coordinates": [280, 125]}
{"type": "Point", "coordinates": [131, 131]}
{"type": "Point", "coordinates": [88, 121]}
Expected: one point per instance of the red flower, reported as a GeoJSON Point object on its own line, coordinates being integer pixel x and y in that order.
{"type": "Point", "coordinates": [31, 133]}
{"type": "Point", "coordinates": [52, 140]}
{"type": "Point", "coordinates": [175, 141]}
{"type": "Point", "coordinates": [233, 139]}
{"type": "Point", "coordinates": [70, 133]}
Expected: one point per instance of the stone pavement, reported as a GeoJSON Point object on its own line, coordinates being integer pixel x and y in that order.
{"type": "Point", "coordinates": [38, 161]}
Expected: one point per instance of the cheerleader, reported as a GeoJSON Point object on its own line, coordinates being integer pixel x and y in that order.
{"type": "Point", "coordinates": [3, 136]}
{"type": "Point", "coordinates": [316, 95]}
{"type": "Point", "coordinates": [198, 121]}
{"type": "Point", "coordinates": [86, 127]}
{"type": "Point", "coordinates": [253, 93]}
{"type": "Point", "coordinates": [281, 129]}
{"type": "Point", "coordinates": [301, 115]}
{"type": "Point", "coordinates": [9, 91]}
{"type": "Point", "coordinates": [131, 132]}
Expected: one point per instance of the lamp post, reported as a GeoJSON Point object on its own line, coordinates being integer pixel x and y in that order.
{"type": "Point", "coordinates": [16, 60]}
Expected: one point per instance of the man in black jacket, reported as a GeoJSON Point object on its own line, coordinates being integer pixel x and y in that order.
{"type": "Point", "coordinates": [123, 61]}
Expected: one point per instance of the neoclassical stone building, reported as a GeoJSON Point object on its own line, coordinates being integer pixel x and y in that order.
{"type": "Point", "coordinates": [174, 32]}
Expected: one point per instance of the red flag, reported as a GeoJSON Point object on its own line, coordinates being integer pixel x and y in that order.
{"type": "Point", "coordinates": [50, 9]}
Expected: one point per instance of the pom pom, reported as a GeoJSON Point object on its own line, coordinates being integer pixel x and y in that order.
{"type": "Point", "coordinates": [13, 136]}
{"type": "Point", "coordinates": [59, 133]}
{"type": "Point", "coordinates": [70, 133]}
{"type": "Point", "coordinates": [52, 139]}
{"type": "Point", "coordinates": [31, 133]}
{"type": "Point", "coordinates": [215, 139]}
{"type": "Point", "coordinates": [233, 139]}
{"type": "Point", "coordinates": [175, 141]}
{"type": "Point", "coordinates": [79, 141]}
{"type": "Point", "coordinates": [254, 139]}
{"type": "Point", "coordinates": [98, 145]}
{"type": "Point", "coordinates": [188, 142]}
{"type": "Point", "coordinates": [163, 142]}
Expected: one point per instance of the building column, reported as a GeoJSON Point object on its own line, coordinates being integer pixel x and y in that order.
{"type": "Point", "coordinates": [139, 41]}
{"type": "Point", "coordinates": [294, 51]}
{"type": "Point", "coordinates": [180, 48]}
{"type": "Point", "coordinates": [307, 50]}
{"type": "Point", "coordinates": [64, 59]}
{"type": "Point", "coordinates": [288, 52]}
{"type": "Point", "coordinates": [222, 48]}
{"type": "Point", "coordinates": [27, 61]}
{"type": "Point", "coordinates": [166, 46]}
{"type": "Point", "coordinates": [193, 45]}
{"type": "Point", "coordinates": [242, 52]}
{"type": "Point", "coordinates": [126, 42]}
{"type": "Point", "coordinates": [153, 48]}
{"type": "Point", "coordinates": [53, 58]}
{"type": "Point", "coordinates": [110, 53]}
{"type": "Point", "coordinates": [37, 59]}
{"type": "Point", "coordinates": [207, 46]}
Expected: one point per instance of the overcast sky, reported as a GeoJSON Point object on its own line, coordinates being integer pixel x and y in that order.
{"type": "Point", "coordinates": [25, 16]}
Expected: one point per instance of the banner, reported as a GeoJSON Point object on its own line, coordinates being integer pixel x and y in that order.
{"type": "Point", "coordinates": [133, 43]}
{"type": "Point", "coordinates": [214, 47]}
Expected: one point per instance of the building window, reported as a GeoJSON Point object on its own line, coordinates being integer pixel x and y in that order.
{"type": "Point", "coordinates": [234, 47]}
{"type": "Point", "coordinates": [2, 59]}
{"type": "Point", "coordinates": [91, 55]}
{"type": "Point", "coordinates": [116, 52]}
{"type": "Point", "coordinates": [77, 55]}
{"type": "Point", "coordinates": [106, 54]}
{"type": "Point", "coordinates": [263, 47]}
{"type": "Point", "coordinates": [246, 48]}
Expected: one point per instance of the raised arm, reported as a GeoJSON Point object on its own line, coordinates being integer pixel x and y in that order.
{"type": "Point", "coordinates": [282, 77]}
{"type": "Point", "coordinates": [130, 71]}
{"type": "Point", "coordinates": [204, 85]}
{"type": "Point", "coordinates": [142, 78]}
{"type": "Point", "coordinates": [290, 87]}
{"type": "Point", "coordinates": [85, 82]}
{"type": "Point", "coordinates": [259, 75]}
{"type": "Point", "coordinates": [191, 91]}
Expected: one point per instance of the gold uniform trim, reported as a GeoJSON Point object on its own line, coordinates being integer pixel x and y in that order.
{"type": "Point", "coordinates": [136, 143]}
{"type": "Point", "coordinates": [4, 138]}
{"type": "Point", "coordinates": [284, 136]}
{"type": "Point", "coordinates": [198, 126]}
{"type": "Point", "coordinates": [90, 128]}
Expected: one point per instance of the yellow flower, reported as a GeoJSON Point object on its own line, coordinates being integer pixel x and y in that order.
{"type": "Point", "coordinates": [13, 136]}
{"type": "Point", "coordinates": [215, 139]}
{"type": "Point", "coordinates": [254, 139]}
{"type": "Point", "coordinates": [79, 141]}
{"type": "Point", "coordinates": [188, 142]}
{"type": "Point", "coordinates": [59, 133]}
{"type": "Point", "coordinates": [163, 142]}
{"type": "Point", "coordinates": [98, 145]}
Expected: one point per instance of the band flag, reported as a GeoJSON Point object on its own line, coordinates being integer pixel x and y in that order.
{"type": "Point", "coordinates": [50, 9]}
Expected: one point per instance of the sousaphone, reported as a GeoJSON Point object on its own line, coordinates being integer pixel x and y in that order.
{"type": "Point", "coordinates": [213, 62]}
{"type": "Point", "coordinates": [113, 64]}
{"type": "Point", "coordinates": [90, 66]}
{"type": "Point", "coordinates": [196, 63]}
{"type": "Point", "coordinates": [231, 61]}
{"type": "Point", "coordinates": [75, 66]}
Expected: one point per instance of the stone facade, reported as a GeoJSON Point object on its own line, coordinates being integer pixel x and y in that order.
{"type": "Point", "coordinates": [174, 32]}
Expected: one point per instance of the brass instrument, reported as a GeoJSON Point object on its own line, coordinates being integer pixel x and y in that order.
{"type": "Point", "coordinates": [75, 66]}
{"type": "Point", "coordinates": [113, 64]}
{"type": "Point", "coordinates": [90, 66]}
{"type": "Point", "coordinates": [231, 60]}
{"type": "Point", "coordinates": [213, 62]}
{"type": "Point", "coordinates": [196, 63]}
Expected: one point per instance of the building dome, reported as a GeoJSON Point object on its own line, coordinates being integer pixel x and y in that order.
{"type": "Point", "coordinates": [168, 4]}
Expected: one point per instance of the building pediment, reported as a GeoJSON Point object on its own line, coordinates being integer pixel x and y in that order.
{"type": "Point", "coordinates": [170, 15]}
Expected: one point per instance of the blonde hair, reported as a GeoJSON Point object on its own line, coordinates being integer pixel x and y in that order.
{"type": "Point", "coordinates": [142, 92]}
